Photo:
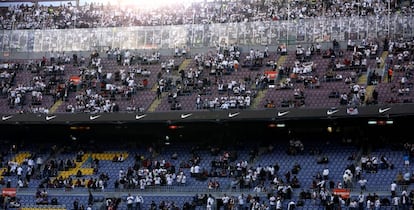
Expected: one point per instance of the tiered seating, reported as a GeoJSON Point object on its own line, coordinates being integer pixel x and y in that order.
{"type": "Point", "coordinates": [245, 74]}
{"type": "Point", "coordinates": [59, 81]}
{"type": "Point", "coordinates": [400, 60]}
{"type": "Point", "coordinates": [336, 152]}
{"type": "Point", "coordinates": [187, 99]}
{"type": "Point", "coordinates": [73, 171]}
{"type": "Point", "coordinates": [111, 168]}
{"type": "Point", "coordinates": [142, 98]}
{"type": "Point", "coordinates": [18, 159]}
{"type": "Point", "coordinates": [317, 94]}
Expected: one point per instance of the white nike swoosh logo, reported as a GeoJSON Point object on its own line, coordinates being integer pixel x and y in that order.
{"type": "Point", "coordinates": [94, 117]}
{"type": "Point", "coordinates": [50, 117]}
{"type": "Point", "coordinates": [231, 115]}
{"type": "Point", "coordinates": [6, 117]}
{"type": "Point", "coordinates": [381, 110]}
{"type": "Point", "coordinates": [331, 112]}
{"type": "Point", "coordinates": [281, 114]}
{"type": "Point", "coordinates": [183, 116]}
{"type": "Point", "coordinates": [138, 117]}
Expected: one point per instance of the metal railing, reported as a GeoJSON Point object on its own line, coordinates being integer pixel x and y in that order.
{"type": "Point", "coordinates": [260, 33]}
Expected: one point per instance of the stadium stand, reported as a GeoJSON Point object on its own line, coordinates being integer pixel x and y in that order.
{"type": "Point", "coordinates": [289, 170]}
{"type": "Point", "coordinates": [225, 79]}
{"type": "Point", "coordinates": [97, 58]}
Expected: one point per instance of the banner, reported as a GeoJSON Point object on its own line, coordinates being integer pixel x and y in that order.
{"type": "Point", "coordinates": [271, 75]}
{"type": "Point", "coordinates": [11, 192]}
{"type": "Point", "coordinates": [75, 80]}
{"type": "Point", "coordinates": [344, 193]}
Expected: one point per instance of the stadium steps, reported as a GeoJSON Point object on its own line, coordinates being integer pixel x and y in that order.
{"type": "Point", "coordinates": [154, 87]}
{"type": "Point", "coordinates": [363, 79]}
{"type": "Point", "coordinates": [55, 106]}
{"type": "Point", "coordinates": [18, 158]}
{"type": "Point", "coordinates": [384, 56]}
{"type": "Point", "coordinates": [281, 60]}
{"type": "Point", "coordinates": [155, 103]}
{"type": "Point", "coordinates": [368, 94]}
{"type": "Point", "coordinates": [262, 94]}
{"type": "Point", "coordinates": [184, 65]}
{"type": "Point", "coordinates": [258, 99]}
{"type": "Point", "coordinates": [85, 168]}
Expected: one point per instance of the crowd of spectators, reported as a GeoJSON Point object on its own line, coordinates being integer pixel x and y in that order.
{"type": "Point", "coordinates": [44, 80]}
{"type": "Point", "coordinates": [211, 75]}
{"type": "Point", "coordinates": [112, 15]}
{"type": "Point", "coordinates": [96, 86]}
{"type": "Point", "coordinates": [400, 62]}
{"type": "Point", "coordinates": [100, 86]}
{"type": "Point", "coordinates": [148, 171]}
{"type": "Point", "coordinates": [348, 67]}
